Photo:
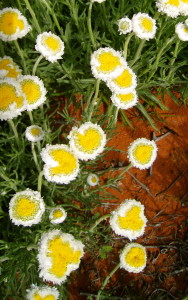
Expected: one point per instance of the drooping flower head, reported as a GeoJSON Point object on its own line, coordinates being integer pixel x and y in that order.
{"type": "Point", "coordinates": [124, 83]}
{"type": "Point", "coordinates": [59, 255]}
{"type": "Point", "coordinates": [182, 31]}
{"type": "Point", "coordinates": [57, 215]}
{"type": "Point", "coordinates": [13, 24]}
{"type": "Point", "coordinates": [128, 219]}
{"type": "Point", "coordinates": [169, 7]}
{"type": "Point", "coordinates": [87, 141]}
{"type": "Point", "coordinates": [133, 258]}
{"type": "Point", "coordinates": [26, 208]}
{"type": "Point", "coordinates": [12, 102]}
{"type": "Point", "coordinates": [50, 46]}
{"type": "Point", "coordinates": [61, 164]}
{"type": "Point", "coordinates": [92, 179]}
{"type": "Point", "coordinates": [42, 293]}
{"type": "Point", "coordinates": [124, 25]}
{"type": "Point", "coordinates": [125, 101]}
{"type": "Point", "coordinates": [34, 133]}
{"type": "Point", "coordinates": [106, 63]}
{"type": "Point", "coordinates": [33, 90]}
{"type": "Point", "coordinates": [8, 69]}
{"type": "Point", "coordinates": [142, 153]}
{"type": "Point", "coordinates": [144, 26]}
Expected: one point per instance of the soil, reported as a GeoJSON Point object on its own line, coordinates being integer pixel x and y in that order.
{"type": "Point", "coordinates": [164, 192]}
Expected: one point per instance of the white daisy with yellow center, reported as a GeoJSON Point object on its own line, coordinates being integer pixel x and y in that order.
{"type": "Point", "coordinates": [57, 215]}
{"type": "Point", "coordinates": [8, 69]}
{"type": "Point", "coordinates": [13, 24]}
{"type": "Point", "coordinates": [92, 179]}
{"type": "Point", "coordinates": [125, 101]}
{"type": "Point", "coordinates": [87, 141]}
{"type": "Point", "coordinates": [59, 255]}
{"type": "Point", "coordinates": [12, 102]}
{"type": "Point", "coordinates": [33, 90]}
{"type": "Point", "coordinates": [169, 7]}
{"type": "Point", "coordinates": [142, 153]}
{"type": "Point", "coordinates": [144, 26]}
{"type": "Point", "coordinates": [26, 208]}
{"type": "Point", "coordinates": [133, 258]}
{"type": "Point", "coordinates": [34, 133]}
{"type": "Point", "coordinates": [106, 63]}
{"type": "Point", "coordinates": [128, 219]}
{"type": "Point", "coordinates": [50, 46]}
{"type": "Point", "coordinates": [182, 31]}
{"type": "Point", "coordinates": [42, 293]}
{"type": "Point", "coordinates": [61, 164]}
{"type": "Point", "coordinates": [124, 25]}
{"type": "Point", "coordinates": [124, 83]}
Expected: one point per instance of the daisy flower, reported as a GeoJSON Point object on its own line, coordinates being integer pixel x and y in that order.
{"type": "Point", "coordinates": [26, 208]}
{"type": "Point", "coordinates": [42, 293]}
{"type": "Point", "coordinates": [12, 102]}
{"type": "Point", "coordinates": [183, 7]}
{"type": "Point", "coordinates": [133, 258]}
{"type": "Point", "coordinates": [186, 23]}
{"type": "Point", "coordinates": [144, 26]}
{"type": "Point", "coordinates": [33, 90]}
{"type": "Point", "coordinates": [124, 25]}
{"type": "Point", "coordinates": [106, 63]}
{"type": "Point", "coordinates": [8, 68]}
{"type": "Point", "coordinates": [169, 7]}
{"type": "Point", "coordinates": [128, 219]}
{"type": "Point", "coordinates": [61, 165]}
{"type": "Point", "coordinates": [125, 101]}
{"type": "Point", "coordinates": [92, 179]}
{"type": "Point", "coordinates": [59, 255]}
{"type": "Point", "coordinates": [182, 31]}
{"type": "Point", "coordinates": [99, 1]}
{"type": "Point", "coordinates": [57, 215]}
{"type": "Point", "coordinates": [50, 46]}
{"type": "Point", "coordinates": [123, 83]}
{"type": "Point", "coordinates": [87, 141]}
{"type": "Point", "coordinates": [142, 153]}
{"type": "Point", "coordinates": [13, 24]}
{"type": "Point", "coordinates": [34, 133]}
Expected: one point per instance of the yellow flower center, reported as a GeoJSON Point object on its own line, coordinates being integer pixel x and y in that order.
{"type": "Point", "coordinates": [66, 160]}
{"type": "Point", "coordinates": [25, 208]}
{"type": "Point", "coordinates": [135, 257]}
{"type": "Point", "coordinates": [89, 141]}
{"type": "Point", "coordinates": [61, 255]}
{"type": "Point", "coordinates": [126, 97]}
{"type": "Point", "coordinates": [131, 220]}
{"type": "Point", "coordinates": [48, 297]}
{"type": "Point", "coordinates": [108, 62]}
{"type": "Point", "coordinates": [35, 131]}
{"type": "Point", "coordinates": [147, 24]}
{"type": "Point", "coordinates": [57, 214]}
{"type": "Point", "coordinates": [185, 1]}
{"type": "Point", "coordinates": [52, 43]}
{"type": "Point", "coordinates": [6, 64]}
{"type": "Point", "coordinates": [123, 25]}
{"type": "Point", "coordinates": [143, 153]}
{"type": "Point", "coordinates": [94, 179]}
{"type": "Point", "coordinates": [8, 96]}
{"type": "Point", "coordinates": [186, 30]}
{"type": "Point", "coordinates": [124, 80]}
{"type": "Point", "coordinates": [31, 90]}
{"type": "Point", "coordinates": [173, 2]}
{"type": "Point", "coordinates": [10, 23]}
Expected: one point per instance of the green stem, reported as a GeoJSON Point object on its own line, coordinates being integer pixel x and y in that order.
{"type": "Point", "coordinates": [126, 44]}
{"type": "Point", "coordinates": [138, 52]}
{"type": "Point", "coordinates": [13, 127]}
{"type": "Point", "coordinates": [175, 54]}
{"type": "Point", "coordinates": [144, 112]}
{"type": "Point", "coordinates": [2, 49]}
{"type": "Point", "coordinates": [126, 169]}
{"type": "Point", "coordinates": [35, 156]}
{"type": "Point", "coordinates": [53, 16]}
{"type": "Point", "coordinates": [39, 188]}
{"type": "Point", "coordinates": [36, 64]}
{"type": "Point", "coordinates": [30, 116]}
{"type": "Point", "coordinates": [99, 221]}
{"type": "Point", "coordinates": [33, 16]}
{"type": "Point", "coordinates": [20, 53]}
{"type": "Point", "coordinates": [106, 280]}
{"type": "Point", "coordinates": [94, 99]}
{"type": "Point", "coordinates": [90, 27]}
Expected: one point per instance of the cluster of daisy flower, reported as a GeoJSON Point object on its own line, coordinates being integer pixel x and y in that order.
{"type": "Point", "coordinates": [181, 30]}
{"type": "Point", "coordinates": [173, 8]}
